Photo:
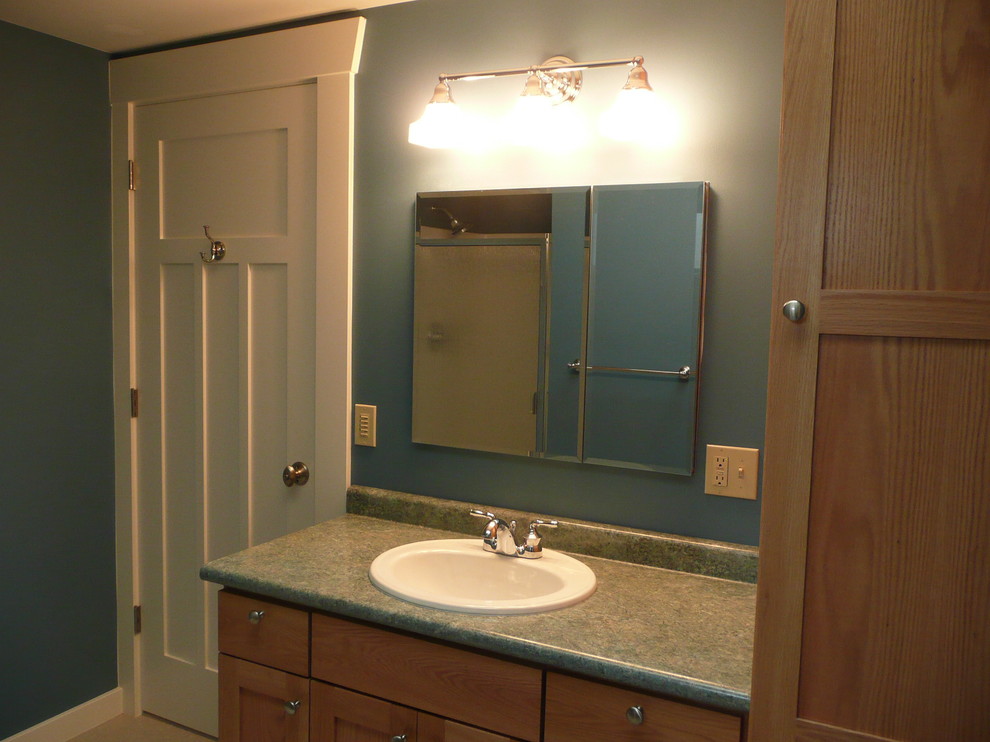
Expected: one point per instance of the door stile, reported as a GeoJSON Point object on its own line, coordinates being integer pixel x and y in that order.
{"type": "Point", "coordinates": [798, 261]}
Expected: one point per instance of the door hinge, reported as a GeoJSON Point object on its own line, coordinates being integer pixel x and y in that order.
{"type": "Point", "coordinates": [137, 619]}
{"type": "Point", "coordinates": [131, 176]}
{"type": "Point", "coordinates": [134, 402]}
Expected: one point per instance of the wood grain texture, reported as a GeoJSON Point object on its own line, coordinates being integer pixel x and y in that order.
{"type": "Point", "coordinates": [434, 729]}
{"type": "Point", "coordinates": [280, 639]}
{"type": "Point", "coordinates": [252, 703]}
{"type": "Point", "coordinates": [339, 715]}
{"type": "Point", "coordinates": [810, 731]}
{"type": "Point", "coordinates": [427, 675]}
{"type": "Point", "coordinates": [801, 199]}
{"type": "Point", "coordinates": [896, 638]}
{"type": "Point", "coordinates": [909, 185]}
{"type": "Point", "coordinates": [944, 314]}
{"type": "Point", "coordinates": [584, 711]}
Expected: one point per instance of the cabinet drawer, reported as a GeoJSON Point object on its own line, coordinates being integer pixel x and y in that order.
{"type": "Point", "coordinates": [490, 693]}
{"type": "Point", "coordinates": [585, 711]}
{"type": "Point", "coordinates": [279, 637]}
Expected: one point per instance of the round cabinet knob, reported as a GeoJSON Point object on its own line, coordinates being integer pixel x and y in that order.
{"type": "Point", "coordinates": [256, 616]}
{"type": "Point", "coordinates": [794, 310]}
{"type": "Point", "coordinates": [297, 473]}
{"type": "Point", "coordinates": [634, 715]}
{"type": "Point", "coordinates": [399, 738]}
{"type": "Point", "coordinates": [291, 707]}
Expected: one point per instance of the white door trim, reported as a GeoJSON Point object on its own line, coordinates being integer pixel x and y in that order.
{"type": "Point", "coordinates": [328, 53]}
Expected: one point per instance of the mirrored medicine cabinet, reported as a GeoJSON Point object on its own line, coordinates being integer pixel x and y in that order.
{"type": "Point", "coordinates": [561, 323]}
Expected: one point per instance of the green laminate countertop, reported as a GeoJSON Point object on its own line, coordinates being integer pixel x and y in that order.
{"type": "Point", "coordinates": [678, 634]}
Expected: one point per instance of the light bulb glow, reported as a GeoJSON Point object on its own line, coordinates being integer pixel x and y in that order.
{"type": "Point", "coordinates": [528, 121]}
{"type": "Point", "coordinates": [441, 126]}
{"type": "Point", "coordinates": [639, 116]}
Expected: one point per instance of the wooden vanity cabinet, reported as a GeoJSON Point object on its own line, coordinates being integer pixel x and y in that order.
{"type": "Point", "coordinates": [491, 693]}
{"type": "Point", "coordinates": [292, 676]}
{"type": "Point", "coordinates": [264, 669]}
{"type": "Point", "coordinates": [585, 711]}
{"type": "Point", "coordinates": [262, 703]}
{"type": "Point", "coordinates": [340, 715]}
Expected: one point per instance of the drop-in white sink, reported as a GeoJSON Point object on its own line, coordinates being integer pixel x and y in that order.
{"type": "Point", "coordinates": [458, 575]}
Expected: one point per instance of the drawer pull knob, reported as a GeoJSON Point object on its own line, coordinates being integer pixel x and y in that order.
{"type": "Point", "coordinates": [399, 738]}
{"type": "Point", "coordinates": [634, 715]}
{"type": "Point", "coordinates": [291, 707]}
{"type": "Point", "coordinates": [256, 616]}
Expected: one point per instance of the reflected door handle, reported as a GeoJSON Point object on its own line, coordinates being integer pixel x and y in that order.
{"type": "Point", "coordinates": [297, 473]}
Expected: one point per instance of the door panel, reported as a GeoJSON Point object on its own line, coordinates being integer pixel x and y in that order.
{"type": "Point", "coordinates": [341, 715]}
{"type": "Point", "coordinates": [872, 607]}
{"type": "Point", "coordinates": [898, 569]}
{"type": "Point", "coordinates": [261, 703]}
{"type": "Point", "coordinates": [225, 360]}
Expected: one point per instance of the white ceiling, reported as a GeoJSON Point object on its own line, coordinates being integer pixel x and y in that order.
{"type": "Point", "coordinates": [124, 25]}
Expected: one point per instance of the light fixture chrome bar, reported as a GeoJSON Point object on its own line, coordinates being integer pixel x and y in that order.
{"type": "Point", "coordinates": [570, 67]}
{"type": "Point", "coordinates": [684, 372]}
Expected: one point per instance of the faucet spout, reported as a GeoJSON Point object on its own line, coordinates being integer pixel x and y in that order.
{"type": "Point", "coordinates": [500, 537]}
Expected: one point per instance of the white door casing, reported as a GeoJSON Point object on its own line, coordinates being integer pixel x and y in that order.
{"type": "Point", "coordinates": [325, 55]}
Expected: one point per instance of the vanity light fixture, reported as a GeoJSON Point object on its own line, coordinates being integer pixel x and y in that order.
{"type": "Point", "coordinates": [540, 110]}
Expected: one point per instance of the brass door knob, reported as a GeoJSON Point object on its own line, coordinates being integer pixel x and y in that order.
{"type": "Point", "coordinates": [297, 473]}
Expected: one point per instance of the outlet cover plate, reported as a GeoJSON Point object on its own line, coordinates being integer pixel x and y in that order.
{"type": "Point", "coordinates": [738, 468]}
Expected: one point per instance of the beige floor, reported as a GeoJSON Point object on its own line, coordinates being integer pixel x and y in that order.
{"type": "Point", "coordinates": [141, 729]}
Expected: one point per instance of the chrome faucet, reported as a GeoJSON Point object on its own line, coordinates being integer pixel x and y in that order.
{"type": "Point", "coordinates": [500, 537]}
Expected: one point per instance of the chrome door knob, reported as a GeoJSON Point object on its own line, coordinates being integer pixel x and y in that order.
{"type": "Point", "coordinates": [256, 616]}
{"type": "Point", "coordinates": [297, 473]}
{"type": "Point", "coordinates": [794, 310]}
{"type": "Point", "coordinates": [634, 715]}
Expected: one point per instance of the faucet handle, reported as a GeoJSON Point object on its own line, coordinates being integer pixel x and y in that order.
{"type": "Point", "coordinates": [541, 522]}
{"type": "Point", "coordinates": [482, 514]}
{"type": "Point", "coordinates": [533, 548]}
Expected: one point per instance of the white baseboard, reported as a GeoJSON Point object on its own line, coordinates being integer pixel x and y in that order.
{"type": "Point", "coordinates": [75, 721]}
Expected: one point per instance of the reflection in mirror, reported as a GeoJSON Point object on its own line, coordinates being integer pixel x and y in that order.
{"type": "Point", "coordinates": [555, 322]}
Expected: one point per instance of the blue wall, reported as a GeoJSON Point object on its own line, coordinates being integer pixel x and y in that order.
{"type": "Point", "coordinates": [719, 62]}
{"type": "Point", "coordinates": [58, 617]}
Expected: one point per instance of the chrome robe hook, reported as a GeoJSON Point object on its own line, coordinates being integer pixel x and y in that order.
{"type": "Point", "coordinates": [217, 248]}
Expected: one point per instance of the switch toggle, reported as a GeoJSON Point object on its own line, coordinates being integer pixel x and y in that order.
{"type": "Point", "coordinates": [731, 471]}
{"type": "Point", "coordinates": [365, 425]}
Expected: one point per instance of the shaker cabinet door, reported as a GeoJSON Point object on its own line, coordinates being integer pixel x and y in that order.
{"type": "Point", "coordinates": [261, 703]}
{"type": "Point", "coordinates": [341, 715]}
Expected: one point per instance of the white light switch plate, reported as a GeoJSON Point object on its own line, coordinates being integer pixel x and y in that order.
{"type": "Point", "coordinates": [731, 471]}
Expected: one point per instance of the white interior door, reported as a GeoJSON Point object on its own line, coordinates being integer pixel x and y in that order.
{"type": "Point", "coordinates": [225, 361]}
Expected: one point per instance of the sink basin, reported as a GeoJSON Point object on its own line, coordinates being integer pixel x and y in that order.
{"type": "Point", "coordinates": [458, 575]}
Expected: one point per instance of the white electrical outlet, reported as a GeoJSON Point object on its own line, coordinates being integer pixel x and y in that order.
{"type": "Point", "coordinates": [731, 471]}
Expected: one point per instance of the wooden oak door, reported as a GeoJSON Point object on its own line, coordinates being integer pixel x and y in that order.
{"type": "Point", "coordinates": [873, 609]}
{"type": "Point", "coordinates": [341, 715]}
{"type": "Point", "coordinates": [259, 703]}
{"type": "Point", "coordinates": [225, 360]}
